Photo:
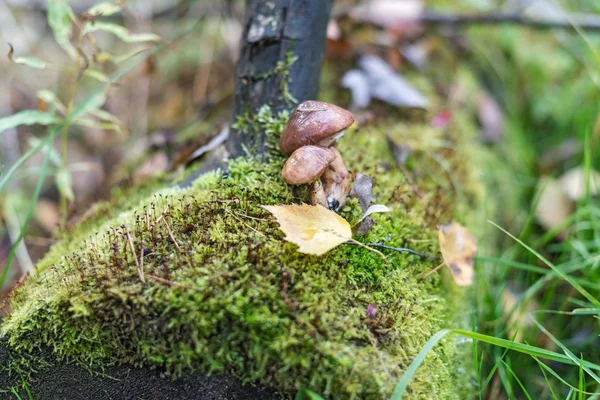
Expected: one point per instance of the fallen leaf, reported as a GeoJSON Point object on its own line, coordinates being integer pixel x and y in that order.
{"type": "Point", "coordinates": [517, 314]}
{"type": "Point", "coordinates": [458, 248]}
{"type": "Point", "coordinates": [388, 13]}
{"type": "Point", "coordinates": [213, 144]}
{"type": "Point", "coordinates": [387, 85]}
{"type": "Point", "coordinates": [574, 183]}
{"type": "Point", "coordinates": [154, 165]}
{"type": "Point", "coordinates": [375, 208]}
{"type": "Point", "coordinates": [364, 226]}
{"type": "Point", "coordinates": [554, 205]}
{"type": "Point", "coordinates": [358, 83]}
{"type": "Point", "coordinates": [399, 151]}
{"type": "Point", "coordinates": [315, 229]}
{"type": "Point", "coordinates": [563, 152]}
{"type": "Point", "coordinates": [362, 190]}
{"type": "Point", "coordinates": [416, 53]}
{"type": "Point", "coordinates": [47, 214]}
{"type": "Point", "coordinates": [490, 117]}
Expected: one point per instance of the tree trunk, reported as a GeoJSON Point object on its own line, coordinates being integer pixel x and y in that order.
{"type": "Point", "coordinates": [280, 62]}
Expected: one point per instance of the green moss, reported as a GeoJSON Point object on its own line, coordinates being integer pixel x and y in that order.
{"type": "Point", "coordinates": [224, 292]}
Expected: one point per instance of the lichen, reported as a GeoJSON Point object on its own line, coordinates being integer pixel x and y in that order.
{"type": "Point", "coordinates": [201, 279]}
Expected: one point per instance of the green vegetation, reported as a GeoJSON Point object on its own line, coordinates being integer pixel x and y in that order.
{"type": "Point", "coordinates": [219, 289]}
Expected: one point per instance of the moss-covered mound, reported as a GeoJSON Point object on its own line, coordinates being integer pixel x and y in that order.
{"type": "Point", "coordinates": [200, 279]}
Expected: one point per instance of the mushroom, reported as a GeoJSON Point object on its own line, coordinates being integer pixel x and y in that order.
{"type": "Point", "coordinates": [318, 123]}
{"type": "Point", "coordinates": [314, 122]}
{"type": "Point", "coordinates": [306, 165]}
{"type": "Point", "coordinates": [336, 181]}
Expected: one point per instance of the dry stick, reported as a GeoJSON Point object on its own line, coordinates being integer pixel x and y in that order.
{"type": "Point", "coordinates": [242, 222]}
{"type": "Point", "coordinates": [137, 263]}
{"type": "Point", "coordinates": [582, 21]}
{"type": "Point", "coordinates": [433, 270]}
{"type": "Point", "coordinates": [248, 216]}
{"type": "Point", "coordinates": [171, 283]}
{"type": "Point", "coordinates": [403, 250]}
{"type": "Point", "coordinates": [410, 181]}
{"type": "Point", "coordinates": [171, 233]}
{"type": "Point", "coordinates": [352, 241]}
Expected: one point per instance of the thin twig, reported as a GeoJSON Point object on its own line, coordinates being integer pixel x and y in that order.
{"type": "Point", "coordinates": [582, 21]}
{"type": "Point", "coordinates": [404, 250]}
{"type": "Point", "coordinates": [171, 283]}
{"type": "Point", "coordinates": [433, 270]}
{"type": "Point", "coordinates": [137, 263]}
{"type": "Point", "coordinates": [353, 241]}
{"type": "Point", "coordinates": [242, 222]}
{"type": "Point", "coordinates": [410, 181]}
{"type": "Point", "coordinates": [171, 234]}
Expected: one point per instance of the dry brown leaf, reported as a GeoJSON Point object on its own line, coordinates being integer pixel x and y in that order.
{"type": "Point", "coordinates": [517, 314]}
{"type": "Point", "coordinates": [553, 206]}
{"type": "Point", "coordinates": [574, 183]}
{"type": "Point", "coordinates": [459, 248]}
{"type": "Point", "coordinates": [315, 229]}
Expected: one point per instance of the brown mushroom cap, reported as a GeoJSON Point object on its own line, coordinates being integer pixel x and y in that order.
{"type": "Point", "coordinates": [313, 122]}
{"type": "Point", "coordinates": [306, 164]}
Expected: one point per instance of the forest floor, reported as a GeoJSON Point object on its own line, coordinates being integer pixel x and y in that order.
{"type": "Point", "coordinates": [532, 94]}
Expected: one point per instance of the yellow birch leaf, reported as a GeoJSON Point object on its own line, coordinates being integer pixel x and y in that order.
{"type": "Point", "coordinates": [458, 248]}
{"type": "Point", "coordinates": [315, 229]}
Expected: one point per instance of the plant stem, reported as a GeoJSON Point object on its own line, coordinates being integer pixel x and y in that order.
{"type": "Point", "coordinates": [65, 132]}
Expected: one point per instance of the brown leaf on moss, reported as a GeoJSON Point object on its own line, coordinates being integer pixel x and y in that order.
{"type": "Point", "coordinates": [458, 248]}
{"type": "Point", "coordinates": [315, 229]}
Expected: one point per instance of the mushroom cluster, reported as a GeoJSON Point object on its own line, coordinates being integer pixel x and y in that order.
{"type": "Point", "coordinates": [310, 136]}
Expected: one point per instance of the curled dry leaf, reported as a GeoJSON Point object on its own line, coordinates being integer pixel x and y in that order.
{"type": "Point", "coordinates": [375, 208]}
{"type": "Point", "coordinates": [362, 190]}
{"type": "Point", "coordinates": [388, 13]}
{"type": "Point", "coordinates": [554, 205]}
{"type": "Point", "coordinates": [458, 248]}
{"type": "Point", "coordinates": [517, 313]}
{"type": "Point", "coordinates": [491, 118]}
{"type": "Point", "coordinates": [358, 83]}
{"type": "Point", "coordinates": [315, 229]}
{"type": "Point", "coordinates": [387, 85]}
{"type": "Point", "coordinates": [575, 183]}
{"type": "Point", "coordinates": [399, 151]}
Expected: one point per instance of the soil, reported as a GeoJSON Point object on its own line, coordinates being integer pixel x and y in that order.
{"type": "Point", "coordinates": [70, 381]}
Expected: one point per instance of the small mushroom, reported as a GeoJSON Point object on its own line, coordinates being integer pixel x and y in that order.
{"type": "Point", "coordinates": [306, 165]}
{"type": "Point", "coordinates": [315, 122]}
{"type": "Point", "coordinates": [336, 181]}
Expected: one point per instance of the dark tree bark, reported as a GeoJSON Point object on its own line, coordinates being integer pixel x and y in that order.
{"type": "Point", "coordinates": [280, 62]}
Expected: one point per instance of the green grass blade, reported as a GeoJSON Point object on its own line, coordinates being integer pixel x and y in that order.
{"type": "Point", "coordinates": [560, 378]}
{"type": "Point", "coordinates": [572, 357]}
{"type": "Point", "coordinates": [548, 383]}
{"type": "Point", "coordinates": [566, 277]}
{"type": "Point", "coordinates": [524, 348]}
{"type": "Point", "coordinates": [32, 203]}
{"type": "Point", "coordinates": [412, 368]}
{"type": "Point", "coordinates": [509, 369]}
{"type": "Point", "coordinates": [308, 394]}
{"type": "Point", "coordinates": [14, 391]}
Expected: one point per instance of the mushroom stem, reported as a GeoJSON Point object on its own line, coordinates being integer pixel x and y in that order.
{"type": "Point", "coordinates": [336, 182]}
{"type": "Point", "coordinates": [317, 194]}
